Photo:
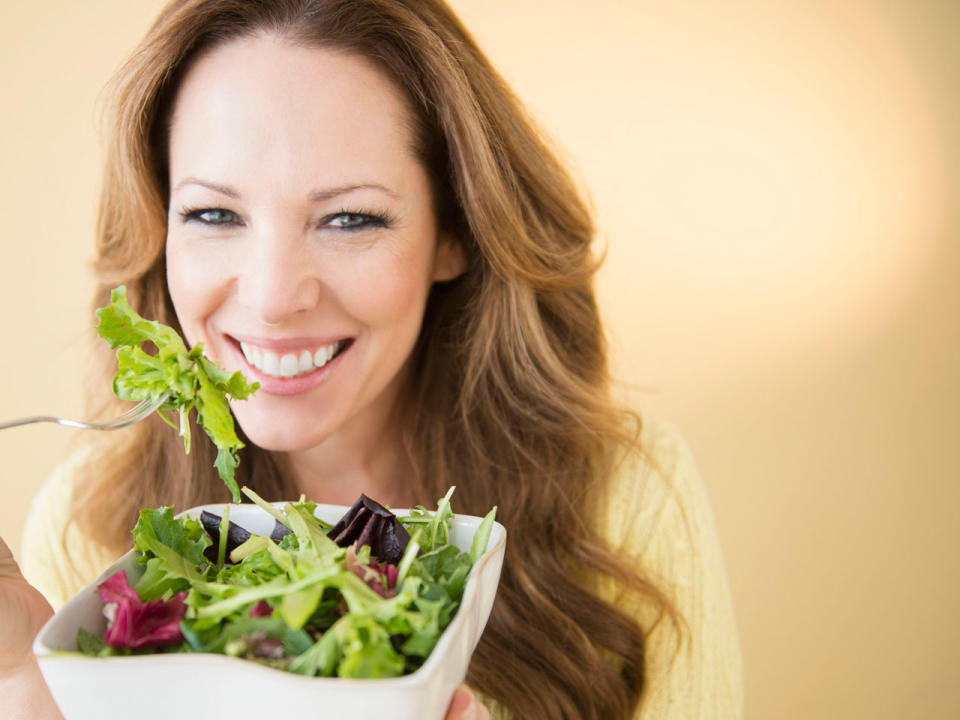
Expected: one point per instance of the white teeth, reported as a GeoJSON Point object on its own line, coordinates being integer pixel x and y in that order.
{"type": "Point", "coordinates": [271, 364]}
{"type": "Point", "coordinates": [322, 356]}
{"type": "Point", "coordinates": [305, 362]}
{"type": "Point", "coordinates": [289, 364]}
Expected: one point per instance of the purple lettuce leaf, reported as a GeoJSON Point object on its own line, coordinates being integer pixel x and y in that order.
{"type": "Point", "coordinates": [135, 624]}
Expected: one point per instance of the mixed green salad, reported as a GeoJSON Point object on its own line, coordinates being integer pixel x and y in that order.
{"type": "Point", "coordinates": [366, 598]}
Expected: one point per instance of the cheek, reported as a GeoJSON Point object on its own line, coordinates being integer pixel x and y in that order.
{"type": "Point", "coordinates": [192, 284]}
{"type": "Point", "coordinates": [388, 292]}
{"type": "Point", "coordinates": [177, 281]}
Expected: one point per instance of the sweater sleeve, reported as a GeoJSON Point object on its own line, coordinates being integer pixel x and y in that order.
{"type": "Point", "coordinates": [56, 557]}
{"type": "Point", "coordinates": [659, 513]}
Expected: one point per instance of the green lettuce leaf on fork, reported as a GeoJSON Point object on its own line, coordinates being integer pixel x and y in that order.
{"type": "Point", "coordinates": [193, 381]}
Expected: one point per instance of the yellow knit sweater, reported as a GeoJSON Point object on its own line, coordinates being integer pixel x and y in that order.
{"type": "Point", "coordinates": [657, 510]}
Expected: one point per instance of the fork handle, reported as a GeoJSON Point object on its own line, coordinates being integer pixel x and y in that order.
{"type": "Point", "coordinates": [45, 418]}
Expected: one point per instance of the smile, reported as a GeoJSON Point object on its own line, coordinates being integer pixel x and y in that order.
{"type": "Point", "coordinates": [290, 364]}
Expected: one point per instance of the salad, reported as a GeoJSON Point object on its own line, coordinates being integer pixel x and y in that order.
{"type": "Point", "coordinates": [366, 598]}
{"type": "Point", "coordinates": [190, 380]}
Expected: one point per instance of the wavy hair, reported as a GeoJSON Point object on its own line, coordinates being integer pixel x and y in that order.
{"type": "Point", "coordinates": [510, 400]}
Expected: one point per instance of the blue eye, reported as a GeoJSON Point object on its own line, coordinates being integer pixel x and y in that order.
{"type": "Point", "coordinates": [211, 216]}
{"type": "Point", "coordinates": [353, 221]}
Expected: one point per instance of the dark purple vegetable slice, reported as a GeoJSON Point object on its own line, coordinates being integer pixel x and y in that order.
{"type": "Point", "coordinates": [280, 531]}
{"type": "Point", "coordinates": [368, 522]}
{"type": "Point", "coordinates": [236, 535]}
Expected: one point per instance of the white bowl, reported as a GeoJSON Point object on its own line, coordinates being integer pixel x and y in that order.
{"type": "Point", "coordinates": [206, 685]}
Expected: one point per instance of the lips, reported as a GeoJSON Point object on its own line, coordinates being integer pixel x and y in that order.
{"type": "Point", "coordinates": [275, 363]}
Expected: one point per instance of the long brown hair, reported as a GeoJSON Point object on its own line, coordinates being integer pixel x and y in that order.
{"type": "Point", "coordinates": [510, 400]}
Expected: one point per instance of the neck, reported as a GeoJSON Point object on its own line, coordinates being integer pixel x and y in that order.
{"type": "Point", "coordinates": [368, 458]}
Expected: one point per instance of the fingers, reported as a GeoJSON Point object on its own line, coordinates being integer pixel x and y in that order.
{"type": "Point", "coordinates": [465, 706]}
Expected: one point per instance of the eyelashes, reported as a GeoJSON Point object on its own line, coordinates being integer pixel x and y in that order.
{"type": "Point", "coordinates": [210, 216]}
{"type": "Point", "coordinates": [344, 220]}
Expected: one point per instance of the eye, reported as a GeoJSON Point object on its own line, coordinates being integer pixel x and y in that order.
{"type": "Point", "coordinates": [211, 216]}
{"type": "Point", "coordinates": [354, 220]}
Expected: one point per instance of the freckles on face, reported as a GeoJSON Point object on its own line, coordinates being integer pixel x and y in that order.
{"type": "Point", "coordinates": [302, 243]}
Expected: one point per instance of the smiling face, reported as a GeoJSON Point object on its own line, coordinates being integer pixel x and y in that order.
{"type": "Point", "coordinates": [302, 241]}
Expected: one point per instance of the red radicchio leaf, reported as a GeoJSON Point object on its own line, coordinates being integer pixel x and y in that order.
{"type": "Point", "coordinates": [135, 624]}
{"type": "Point", "coordinates": [261, 609]}
{"type": "Point", "coordinates": [382, 579]}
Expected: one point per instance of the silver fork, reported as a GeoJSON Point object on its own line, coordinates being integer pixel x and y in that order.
{"type": "Point", "coordinates": [133, 415]}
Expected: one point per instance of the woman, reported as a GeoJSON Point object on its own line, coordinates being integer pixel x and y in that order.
{"type": "Point", "coordinates": [350, 182]}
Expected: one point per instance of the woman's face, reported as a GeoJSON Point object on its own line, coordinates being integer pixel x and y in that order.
{"type": "Point", "coordinates": [302, 241]}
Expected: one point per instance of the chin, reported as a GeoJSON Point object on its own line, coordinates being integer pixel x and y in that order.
{"type": "Point", "coordinates": [277, 434]}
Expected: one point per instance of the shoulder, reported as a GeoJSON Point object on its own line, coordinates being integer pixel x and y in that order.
{"type": "Point", "coordinates": [658, 512]}
{"type": "Point", "coordinates": [656, 492]}
{"type": "Point", "coordinates": [55, 557]}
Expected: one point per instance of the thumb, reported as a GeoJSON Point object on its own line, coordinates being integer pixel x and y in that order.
{"type": "Point", "coordinates": [11, 578]}
{"type": "Point", "coordinates": [465, 706]}
{"type": "Point", "coordinates": [27, 597]}
{"type": "Point", "coordinates": [23, 611]}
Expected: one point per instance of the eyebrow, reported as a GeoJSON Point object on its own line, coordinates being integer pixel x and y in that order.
{"type": "Point", "coordinates": [314, 196]}
{"type": "Point", "coordinates": [333, 192]}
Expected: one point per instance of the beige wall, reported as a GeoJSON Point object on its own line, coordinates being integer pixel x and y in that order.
{"type": "Point", "coordinates": [775, 183]}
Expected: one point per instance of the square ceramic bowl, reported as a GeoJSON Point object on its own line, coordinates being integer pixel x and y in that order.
{"type": "Point", "coordinates": [207, 685]}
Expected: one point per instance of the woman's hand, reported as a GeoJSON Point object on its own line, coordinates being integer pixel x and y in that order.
{"type": "Point", "coordinates": [23, 611]}
{"type": "Point", "coordinates": [465, 706]}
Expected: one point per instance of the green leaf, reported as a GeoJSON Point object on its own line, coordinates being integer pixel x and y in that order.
{"type": "Point", "coordinates": [215, 639]}
{"type": "Point", "coordinates": [88, 643]}
{"type": "Point", "coordinates": [296, 608]}
{"type": "Point", "coordinates": [157, 582]}
{"type": "Point", "coordinates": [226, 465]}
{"type": "Point", "coordinates": [320, 659]}
{"type": "Point", "coordinates": [366, 649]}
{"type": "Point", "coordinates": [120, 325]}
{"type": "Point", "coordinates": [177, 544]}
{"type": "Point", "coordinates": [482, 535]}
{"type": "Point", "coordinates": [192, 380]}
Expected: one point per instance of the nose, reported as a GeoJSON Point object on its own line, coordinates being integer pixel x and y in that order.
{"type": "Point", "coordinates": [278, 281]}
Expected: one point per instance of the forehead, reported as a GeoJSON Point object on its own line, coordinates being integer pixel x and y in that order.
{"type": "Point", "coordinates": [276, 104]}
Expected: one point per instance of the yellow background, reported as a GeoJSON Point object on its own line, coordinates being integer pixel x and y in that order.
{"type": "Point", "coordinates": [775, 183]}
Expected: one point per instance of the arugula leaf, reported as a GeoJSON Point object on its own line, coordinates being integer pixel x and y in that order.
{"type": "Point", "coordinates": [482, 535]}
{"type": "Point", "coordinates": [436, 524]}
{"type": "Point", "coordinates": [192, 380]}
